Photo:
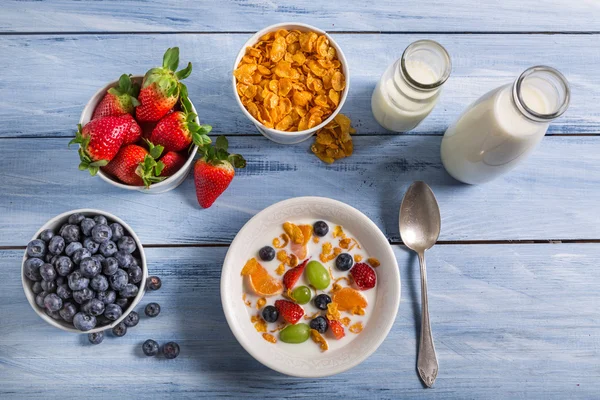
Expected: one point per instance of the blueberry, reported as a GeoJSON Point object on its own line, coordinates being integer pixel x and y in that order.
{"type": "Point", "coordinates": [80, 254]}
{"type": "Point", "coordinates": [71, 233]}
{"type": "Point", "coordinates": [120, 329]}
{"type": "Point", "coordinates": [61, 280]}
{"type": "Point", "coordinates": [270, 314]}
{"type": "Point", "coordinates": [56, 245]}
{"type": "Point", "coordinates": [39, 299]}
{"type": "Point", "coordinates": [132, 319]}
{"type": "Point", "coordinates": [31, 269]}
{"type": "Point", "coordinates": [152, 309]}
{"type": "Point", "coordinates": [266, 253]}
{"type": "Point", "coordinates": [64, 265]}
{"type": "Point", "coordinates": [319, 324]}
{"type": "Point", "coordinates": [107, 296]}
{"type": "Point", "coordinates": [122, 302]}
{"type": "Point", "coordinates": [36, 248]}
{"type": "Point", "coordinates": [321, 301]}
{"type": "Point", "coordinates": [92, 246]}
{"type": "Point", "coordinates": [117, 231]}
{"type": "Point", "coordinates": [154, 283]}
{"type": "Point", "coordinates": [93, 307]}
{"type": "Point", "coordinates": [126, 243]}
{"type": "Point", "coordinates": [344, 262]}
{"type": "Point", "coordinates": [76, 218]}
{"type": "Point", "coordinates": [110, 266]}
{"type": "Point", "coordinates": [48, 272]}
{"type": "Point", "coordinates": [53, 314]}
{"type": "Point", "coordinates": [49, 286]}
{"type": "Point", "coordinates": [86, 226]}
{"type": "Point", "coordinates": [72, 247]}
{"type": "Point", "coordinates": [101, 233]}
{"type": "Point", "coordinates": [113, 312]}
{"type": "Point", "coordinates": [77, 281]}
{"type": "Point", "coordinates": [101, 320]}
{"type": "Point", "coordinates": [124, 259]}
{"type": "Point", "coordinates": [64, 292]}
{"type": "Point", "coordinates": [118, 280]}
{"type": "Point", "coordinates": [83, 295]}
{"type": "Point", "coordinates": [68, 311]}
{"type": "Point", "coordinates": [99, 257]}
{"type": "Point", "coordinates": [52, 302]}
{"type": "Point", "coordinates": [320, 228]}
{"type": "Point", "coordinates": [99, 283]}
{"type": "Point", "coordinates": [48, 258]}
{"type": "Point", "coordinates": [36, 288]}
{"type": "Point", "coordinates": [135, 274]}
{"type": "Point", "coordinates": [171, 350]}
{"type": "Point", "coordinates": [108, 248]}
{"type": "Point", "coordinates": [150, 348]}
{"type": "Point", "coordinates": [100, 219]}
{"type": "Point", "coordinates": [129, 291]}
{"type": "Point", "coordinates": [90, 267]}
{"type": "Point", "coordinates": [46, 235]}
{"type": "Point", "coordinates": [84, 322]}
{"type": "Point", "coordinates": [96, 337]}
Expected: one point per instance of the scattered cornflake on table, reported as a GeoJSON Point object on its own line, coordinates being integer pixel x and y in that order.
{"type": "Point", "coordinates": [333, 141]}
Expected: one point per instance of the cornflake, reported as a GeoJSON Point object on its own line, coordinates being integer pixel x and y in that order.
{"type": "Point", "coordinates": [277, 243]}
{"type": "Point", "coordinates": [280, 269]}
{"type": "Point", "coordinates": [333, 141]}
{"type": "Point", "coordinates": [319, 339]}
{"type": "Point", "coordinates": [332, 311]}
{"type": "Point", "coordinates": [269, 338]}
{"type": "Point", "coordinates": [373, 262]}
{"type": "Point", "coordinates": [261, 302]}
{"type": "Point", "coordinates": [356, 328]}
{"type": "Point", "coordinates": [357, 258]}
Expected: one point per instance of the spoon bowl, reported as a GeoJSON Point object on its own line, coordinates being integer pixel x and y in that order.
{"type": "Point", "coordinates": [420, 220]}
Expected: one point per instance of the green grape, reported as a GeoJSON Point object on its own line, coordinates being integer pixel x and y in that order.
{"type": "Point", "coordinates": [302, 294]}
{"type": "Point", "coordinates": [317, 274]}
{"type": "Point", "coordinates": [298, 333]}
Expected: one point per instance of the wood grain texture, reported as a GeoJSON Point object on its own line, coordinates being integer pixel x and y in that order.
{"type": "Point", "coordinates": [49, 79]}
{"type": "Point", "coordinates": [252, 15]}
{"type": "Point", "coordinates": [553, 195]}
{"type": "Point", "coordinates": [517, 321]}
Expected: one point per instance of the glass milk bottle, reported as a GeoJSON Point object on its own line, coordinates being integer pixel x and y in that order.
{"type": "Point", "coordinates": [503, 127]}
{"type": "Point", "coordinates": [409, 88]}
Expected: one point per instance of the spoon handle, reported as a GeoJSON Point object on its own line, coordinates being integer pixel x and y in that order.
{"type": "Point", "coordinates": [427, 363]}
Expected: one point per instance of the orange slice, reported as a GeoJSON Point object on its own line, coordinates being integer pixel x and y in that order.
{"type": "Point", "coordinates": [299, 249]}
{"type": "Point", "coordinates": [348, 299]}
{"type": "Point", "coordinates": [259, 279]}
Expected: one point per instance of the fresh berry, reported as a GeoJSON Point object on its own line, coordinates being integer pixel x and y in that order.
{"type": "Point", "coordinates": [96, 337]}
{"type": "Point", "coordinates": [344, 262]}
{"type": "Point", "coordinates": [364, 276]}
{"type": "Point", "coordinates": [120, 329]}
{"type": "Point", "coordinates": [132, 319]}
{"type": "Point", "coordinates": [152, 309]}
{"type": "Point", "coordinates": [80, 254]}
{"type": "Point", "coordinates": [36, 248]}
{"type": "Point", "coordinates": [320, 228]}
{"type": "Point", "coordinates": [171, 350]}
{"type": "Point", "coordinates": [86, 226]}
{"type": "Point", "coordinates": [126, 243]}
{"type": "Point", "coordinates": [39, 299]}
{"type": "Point", "coordinates": [214, 171]}
{"type": "Point", "coordinates": [110, 266]}
{"type": "Point", "coordinates": [83, 295]}
{"type": "Point", "coordinates": [337, 329]}
{"type": "Point", "coordinates": [113, 312]}
{"type": "Point", "coordinates": [108, 248]}
{"type": "Point", "coordinates": [107, 296]}
{"type": "Point", "coordinates": [161, 87]}
{"type": "Point", "coordinates": [91, 245]}
{"type": "Point", "coordinates": [99, 283]}
{"type": "Point", "coordinates": [64, 265]}
{"type": "Point", "coordinates": [319, 324]}
{"type": "Point", "coordinates": [64, 292]}
{"type": "Point", "coordinates": [31, 269]}
{"type": "Point", "coordinates": [267, 253]}
{"type": "Point", "coordinates": [52, 302]}
{"type": "Point", "coordinates": [49, 286]}
{"type": "Point", "coordinates": [290, 311]}
{"type": "Point", "coordinates": [270, 314]}
{"type": "Point", "coordinates": [134, 165]}
{"type": "Point", "coordinates": [53, 314]}
{"type": "Point", "coordinates": [48, 272]}
{"type": "Point", "coordinates": [76, 218]}
{"type": "Point", "coordinates": [36, 288]}
{"type": "Point", "coordinates": [321, 301]}
{"type": "Point", "coordinates": [118, 280]}
{"type": "Point", "coordinates": [84, 322]}
{"type": "Point", "coordinates": [77, 281]}
{"type": "Point", "coordinates": [90, 267]}
{"type": "Point", "coordinates": [46, 235]}
{"type": "Point", "coordinates": [100, 220]}
{"type": "Point", "coordinates": [118, 100]}
{"type": "Point", "coordinates": [172, 162]}
{"type": "Point", "coordinates": [56, 245]}
{"type": "Point", "coordinates": [150, 348]}
{"type": "Point", "coordinates": [124, 259]}
{"type": "Point", "coordinates": [117, 231]}
{"type": "Point", "coordinates": [101, 233]}
{"type": "Point", "coordinates": [130, 290]}
{"type": "Point", "coordinates": [71, 233]}
{"type": "Point", "coordinates": [122, 302]}
{"type": "Point", "coordinates": [154, 283]}
{"type": "Point", "coordinates": [68, 311]}
{"type": "Point", "coordinates": [291, 276]}
{"type": "Point", "coordinates": [72, 248]}
{"type": "Point", "coordinates": [93, 307]}
{"type": "Point", "coordinates": [135, 274]}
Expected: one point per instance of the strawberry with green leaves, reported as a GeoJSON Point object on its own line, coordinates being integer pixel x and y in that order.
{"type": "Point", "coordinates": [161, 87]}
{"type": "Point", "coordinates": [134, 133]}
{"type": "Point", "coordinates": [214, 171]}
{"type": "Point", "coordinates": [119, 100]}
{"type": "Point", "coordinates": [177, 130]}
{"type": "Point", "coordinates": [136, 166]}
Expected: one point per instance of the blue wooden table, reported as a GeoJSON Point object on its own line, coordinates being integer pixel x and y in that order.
{"type": "Point", "coordinates": [514, 282]}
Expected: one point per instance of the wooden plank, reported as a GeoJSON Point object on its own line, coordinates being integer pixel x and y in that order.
{"type": "Point", "coordinates": [516, 321]}
{"type": "Point", "coordinates": [553, 195]}
{"type": "Point", "coordinates": [48, 79]}
{"type": "Point", "coordinates": [394, 15]}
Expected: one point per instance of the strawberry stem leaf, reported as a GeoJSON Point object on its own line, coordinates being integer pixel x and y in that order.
{"type": "Point", "coordinates": [222, 143]}
{"type": "Point", "coordinates": [184, 73]}
{"type": "Point", "coordinates": [171, 59]}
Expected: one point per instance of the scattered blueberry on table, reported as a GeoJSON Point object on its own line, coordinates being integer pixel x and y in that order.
{"type": "Point", "coordinates": [154, 283]}
{"type": "Point", "coordinates": [171, 350]}
{"type": "Point", "coordinates": [152, 309]}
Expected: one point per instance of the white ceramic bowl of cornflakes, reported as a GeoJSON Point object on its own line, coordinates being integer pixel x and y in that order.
{"type": "Point", "coordinates": [284, 136]}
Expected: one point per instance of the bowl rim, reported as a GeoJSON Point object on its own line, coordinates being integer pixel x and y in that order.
{"type": "Point", "coordinates": [245, 342]}
{"type": "Point", "coordinates": [31, 296]}
{"type": "Point", "coordinates": [105, 177]}
{"type": "Point", "coordinates": [342, 58]}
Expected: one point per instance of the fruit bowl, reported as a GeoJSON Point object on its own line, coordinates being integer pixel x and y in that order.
{"type": "Point", "coordinates": [54, 224]}
{"type": "Point", "coordinates": [169, 183]}
{"type": "Point", "coordinates": [293, 359]}
{"type": "Point", "coordinates": [284, 137]}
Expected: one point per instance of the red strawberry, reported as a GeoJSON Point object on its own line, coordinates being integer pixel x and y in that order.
{"type": "Point", "coordinates": [214, 171]}
{"type": "Point", "coordinates": [291, 277]}
{"type": "Point", "coordinates": [172, 162]}
{"type": "Point", "coordinates": [290, 311]}
{"type": "Point", "coordinates": [336, 328]}
{"type": "Point", "coordinates": [119, 100]}
{"type": "Point", "coordinates": [134, 165]}
{"type": "Point", "coordinates": [135, 132]}
{"type": "Point", "coordinates": [161, 87]}
{"type": "Point", "coordinates": [100, 140]}
{"type": "Point", "coordinates": [364, 276]}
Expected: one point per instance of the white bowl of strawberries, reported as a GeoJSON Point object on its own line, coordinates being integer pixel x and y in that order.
{"type": "Point", "coordinates": [142, 132]}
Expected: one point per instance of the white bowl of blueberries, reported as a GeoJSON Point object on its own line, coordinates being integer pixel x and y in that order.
{"type": "Point", "coordinates": [85, 271]}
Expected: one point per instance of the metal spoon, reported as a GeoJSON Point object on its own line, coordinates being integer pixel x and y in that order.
{"type": "Point", "coordinates": [420, 229]}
